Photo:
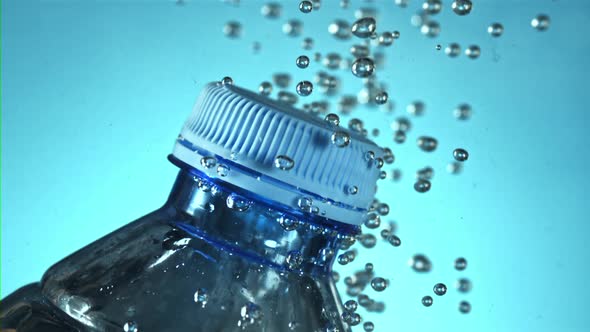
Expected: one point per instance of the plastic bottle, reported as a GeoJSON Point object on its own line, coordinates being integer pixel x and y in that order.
{"type": "Point", "coordinates": [245, 241]}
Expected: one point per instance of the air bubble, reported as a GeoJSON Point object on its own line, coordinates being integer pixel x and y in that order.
{"type": "Point", "coordinates": [332, 61]}
{"type": "Point", "coordinates": [422, 186]}
{"type": "Point", "coordinates": [227, 81]}
{"type": "Point", "coordinates": [460, 154]}
{"type": "Point", "coordinates": [453, 50]}
{"type": "Point", "coordinates": [208, 162]}
{"type": "Point", "coordinates": [250, 314]}
{"type": "Point", "coordinates": [130, 326]}
{"type": "Point", "coordinates": [462, 112]}
{"type": "Point", "coordinates": [237, 203]}
{"type": "Point", "coordinates": [271, 10]}
{"type": "Point", "coordinates": [416, 108]}
{"type": "Point", "coordinates": [293, 28]}
{"type": "Point", "coordinates": [304, 88]}
{"type": "Point", "coordinates": [294, 260]}
{"type": "Point", "coordinates": [462, 7]}
{"type": "Point", "coordinates": [364, 27]}
{"type": "Point", "coordinates": [302, 61]}
{"type": "Point", "coordinates": [495, 29]}
{"type": "Point", "coordinates": [352, 190]}
{"type": "Point", "coordinates": [284, 163]}
{"type": "Point", "coordinates": [381, 98]}
{"type": "Point", "coordinates": [541, 22]}
{"type": "Point", "coordinates": [432, 7]}
{"type": "Point", "coordinates": [460, 264]}
{"type": "Point", "coordinates": [455, 167]}
{"type": "Point", "coordinates": [222, 170]}
{"type": "Point", "coordinates": [420, 263]}
{"type": "Point", "coordinates": [463, 285]}
{"type": "Point", "coordinates": [464, 307]}
{"type": "Point", "coordinates": [427, 301]}
{"type": "Point", "coordinates": [379, 284]}
{"type": "Point", "coordinates": [473, 51]}
{"type": "Point", "coordinates": [340, 139]}
{"type": "Point", "coordinates": [307, 44]}
{"type": "Point", "coordinates": [265, 88]}
{"type": "Point", "coordinates": [394, 240]}
{"type": "Point", "coordinates": [373, 221]}
{"type": "Point", "coordinates": [425, 173]}
{"type": "Point", "coordinates": [201, 297]}
{"type": "Point", "coordinates": [427, 143]}
{"type": "Point", "coordinates": [232, 29]}
{"type": "Point", "coordinates": [369, 327]}
{"type": "Point", "coordinates": [430, 29]}
{"type": "Point", "coordinates": [340, 29]}
{"type": "Point", "coordinates": [287, 97]}
{"type": "Point", "coordinates": [282, 80]}
{"type": "Point", "coordinates": [350, 305]}
{"type": "Point", "coordinates": [305, 6]}
{"type": "Point", "coordinates": [363, 67]}
{"type": "Point", "coordinates": [332, 119]}
{"type": "Point", "coordinates": [399, 136]}
{"type": "Point", "coordinates": [440, 289]}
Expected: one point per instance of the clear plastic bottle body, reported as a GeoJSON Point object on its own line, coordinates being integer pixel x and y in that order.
{"type": "Point", "coordinates": [213, 258]}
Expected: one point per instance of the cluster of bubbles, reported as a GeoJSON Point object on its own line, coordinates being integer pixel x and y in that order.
{"type": "Point", "coordinates": [368, 43]}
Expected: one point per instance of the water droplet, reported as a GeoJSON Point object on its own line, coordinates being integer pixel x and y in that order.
{"type": "Point", "coordinates": [379, 284]}
{"type": "Point", "coordinates": [432, 7]}
{"type": "Point", "coordinates": [237, 203]}
{"type": "Point", "coordinates": [425, 173]}
{"type": "Point", "coordinates": [460, 154]}
{"type": "Point", "coordinates": [222, 170]}
{"type": "Point", "coordinates": [430, 29]}
{"type": "Point", "coordinates": [495, 29]}
{"type": "Point", "coordinates": [265, 88]}
{"type": "Point", "coordinates": [364, 27]}
{"type": "Point", "coordinates": [422, 186]}
{"type": "Point", "coordinates": [294, 260]}
{"type": "Point", "coordinates": [420, 263]}
{"type": "Point", "coordinates": [340, 29]}
{"type": "Point", "coordinates": [541, 22]}
{"type": "Point", "coordinates": [232, 29]}
{"type": "Point", "coordinates": [440, 289]}
{"type": "Point", "coordinates": [302, 61]}
{"type": "Point", "coordinates": [453, 50]}
{"type": "Point", "coordinates": [201, 297]}
{"type": "Point", "coordinates": [373, 221]}
{"type": "Point", "coordinates": [130, 326]}
{"type": "Point", "coordinates": [293, 28]}
{"type": "Point", "coordinates": [227, 81]}
{"type": "Point", "coordinates": [332, 119]}
{"type": "Point", "coordinates": [363, 67]}
{"type": "Point", "coordinates": [462, 112]}
{"type": "Point", "coordinates": [461, 7]}
{"type": "Point", "coordinates": [455, 167]}
{"type": "Point", "coordinates": [340, 138]}
{"type": "Point", "coordinates": [463, 285]}
{"type": "Point", "coordinates": [427, 301]}
{"type": "Point", "coordinates": [271, 10]}
{"type": "Point", "coordinates": [350, 305]}
{"type": "Point", "coordinates": [427, 143]}
{"type": "Point", "coordinates": [394, 240]}
{"type": "Point", "coordinates": [305, 6]}
{"type": "Point", "coordinates": [381, 98]}
{"type": "Point", "coordinates": [473, 51]}
{"type": "Point", "coordinates": [304, 88]}
{"type": "Point", "coordinates": [282, 80]}
{"type": "Point", "coordinates": [287, 97]}
{"type": "Point", "coordinates": [208, 162]}
{"type": "Point", "coordinates": [460, 264]}
{"type": "Point", "coordinates": [464, 307]}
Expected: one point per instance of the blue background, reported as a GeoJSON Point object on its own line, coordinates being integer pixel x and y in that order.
{"type": "Point", "coordinates": [95, 92]}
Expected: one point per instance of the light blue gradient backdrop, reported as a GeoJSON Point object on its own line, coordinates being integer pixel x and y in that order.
{"type": "Point", "coordinates": [94, 93]}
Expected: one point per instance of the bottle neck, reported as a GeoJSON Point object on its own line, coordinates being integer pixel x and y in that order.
{"type": "Point", "coordinates": [246, 224]}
